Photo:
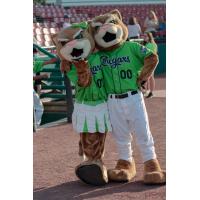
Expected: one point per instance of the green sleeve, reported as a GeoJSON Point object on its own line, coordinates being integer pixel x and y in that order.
{"type": "Point", "coordinates": [152, 46]}
{"type": "Point", "coordinates": [141, 51]}
{"type": "Point", "coordinates": [72, 75]}
{"type": "Point", "coordinates": [37, 66]}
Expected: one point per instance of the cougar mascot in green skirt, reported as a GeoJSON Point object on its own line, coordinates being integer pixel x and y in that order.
{"type": "Point", "coordinates": [75, 47]}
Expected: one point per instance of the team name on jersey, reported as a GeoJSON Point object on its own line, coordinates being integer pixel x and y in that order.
{"type": "Point", "coordinates": [114, 62]}
{"type": "Point", "coordinates": [95, 69]}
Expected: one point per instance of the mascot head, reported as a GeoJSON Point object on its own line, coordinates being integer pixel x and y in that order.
{"type": "Point", "coordinates": [108, 30]}
{"type": "Point", "coordinates": [74, 43]}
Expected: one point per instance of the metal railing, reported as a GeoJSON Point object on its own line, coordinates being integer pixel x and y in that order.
{"type": "Point", "coordinates": [63, 78]}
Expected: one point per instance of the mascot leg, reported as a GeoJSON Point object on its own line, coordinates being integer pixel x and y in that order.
{"type": "Point", "coordinates": [92, 171]}
{"type": "Point", "coordinates": [125, 169]}
{"type": "Point", "coordinates": [80, 151]}
{"type": "Point", "coordinates": [153, 174]}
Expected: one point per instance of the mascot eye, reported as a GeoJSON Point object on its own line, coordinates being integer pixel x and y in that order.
{"type": "Point", "coordinates": [113, 22]}
{"type": "Point", "coordinates": [63, 43]}
{"type": "Point", "coordinates": [96, 28]}
{"type": "Point", "coordinates": [79, 36]}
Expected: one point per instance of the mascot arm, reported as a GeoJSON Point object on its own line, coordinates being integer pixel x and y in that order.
{"type": "Point", "coordinates": [83, 73]}
{"type": "Point", "coordinates": [150, 63]}
{"type": "Point", "coordinates": [65, 66]}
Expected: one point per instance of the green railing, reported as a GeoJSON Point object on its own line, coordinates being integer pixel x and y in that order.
{"type": "Point", "coordinates": [50, 55]}
{"type": "Point", "coordinates": [56, 82]}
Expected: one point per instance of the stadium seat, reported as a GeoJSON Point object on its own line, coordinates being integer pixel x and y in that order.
{"type": "Point", "coordinates": [40, 38]}
{"type": "Point", "coordinates": [47, 37]}
{"type": "Point", "coordinates": [46, 30]}
{"type": "Point", "coordinates": [48, 43]}
{"type": "Point", "coordinates": [38, 24]}
{"type": "Point", "coordinates": [53, 30]}
{"type": "Point", "coordinates": [46, 24]}
{"type": "Point", "coordinates": [38, 31]}
{"type": "Point", "coordinates": [40, 43]}
{"type": "Point", "coordinates": [54, 14]}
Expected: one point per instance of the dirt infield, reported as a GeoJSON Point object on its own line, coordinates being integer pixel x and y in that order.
{"type": "Point", "coordinates": [56, 155]}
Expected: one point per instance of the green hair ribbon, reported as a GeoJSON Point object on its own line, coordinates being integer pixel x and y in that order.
{"type": "Point", "coordinates": [83, 25]}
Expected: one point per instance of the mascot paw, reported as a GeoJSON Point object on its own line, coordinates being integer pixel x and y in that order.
{"type": "Point", "coordinates": [92, 172]}
{"type": "Point", "coordinates": [153, 173]}
{"type": "Point", "coordinates": [155, 177]}
{"type": "Point", "coordinates": [123, 172]}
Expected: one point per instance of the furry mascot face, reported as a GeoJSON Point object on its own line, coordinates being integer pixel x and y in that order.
{"type": "Point", "coordinates": [108, 30]}
{"type": "Point", "coordinates": [74, 43]}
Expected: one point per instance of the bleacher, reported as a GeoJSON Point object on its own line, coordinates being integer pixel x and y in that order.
{"type": "Point", "coordinates": [138, 10]}
{"type": "Point", "coordinates": [42, 33]}
{"type": "Point", "coordinates": [53, 16]}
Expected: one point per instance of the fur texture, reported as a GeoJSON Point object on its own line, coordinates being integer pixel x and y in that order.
{"type": "Point", "coordinates": [92, 171]}
{"type": "Point", "coordinates": [108, 30]}
{"type": "Point", "coordinates": [93, 145]}
{"type": "Point", "coordinates": [150, 64]}
{"type": "Point", "coordinates": [124, 171]}
{"type": "Point", "coordinates": [74, 45]}
{"type": "Point", "coordinates": [84, 73]}
{"type": "Point", "coordinates": [153, 173]}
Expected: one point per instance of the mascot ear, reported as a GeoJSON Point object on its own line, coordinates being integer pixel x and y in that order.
{"type": "Point", "coordinates": [54, 38]}
{"type": "Point", "coordinates": [89, 27]}
{"type": "Point", "coordinates": [117, 13]}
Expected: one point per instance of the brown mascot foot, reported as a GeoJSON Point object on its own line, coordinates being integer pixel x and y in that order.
{"type": "Point", "coordinates": [153, 173]}
{"type": "Point", "coordinates": [123, 172]}
{"type": "Point", "coordinates": [92, 172]}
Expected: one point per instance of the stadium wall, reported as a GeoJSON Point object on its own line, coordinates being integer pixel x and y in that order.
{"type": "Point", "coordinates": [103, 2]}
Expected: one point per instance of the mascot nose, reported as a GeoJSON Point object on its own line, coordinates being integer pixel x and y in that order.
{"type": "Point", "coordinates": [72, 43]}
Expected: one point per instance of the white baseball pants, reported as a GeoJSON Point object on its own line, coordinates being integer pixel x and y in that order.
{"type": "Point", "coordinates": [128, 116]}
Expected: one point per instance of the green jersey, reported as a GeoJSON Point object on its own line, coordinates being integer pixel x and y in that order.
{"type": "Point", "coordinates": [95, 93]}
{"type": "Point", "coordinates": [121, 67]}
{"type": "Point", "coordinates": [37, 65]}
{"type": "Point", "coordinates": [152, 46]}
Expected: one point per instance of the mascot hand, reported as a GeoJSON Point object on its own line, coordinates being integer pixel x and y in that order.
{"type": "Point", "coordinates": [141, 84]}
{"type": "Point", "coordinates": [83, 72]}
{"type": "Point", "coordinates": [65, 66]}
{"type": "Point", "coordinates": [81, 65]}
{"type": "Point", "coordinates": [150, 64]}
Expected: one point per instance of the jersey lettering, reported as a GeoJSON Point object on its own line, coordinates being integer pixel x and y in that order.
{"type": "Point", "coordinates": [114, 62]}
{"type": "Point", "coordinates": [95, 69]}
{"type": "Point", "coordinates": [126, 74]}
{"type": "Point", "coordinates": [99, 82]}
